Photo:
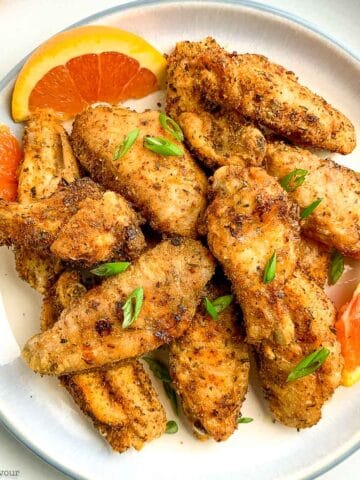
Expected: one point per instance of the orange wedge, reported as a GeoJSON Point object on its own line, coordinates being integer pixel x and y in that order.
{"type": "Point", "coordinates": [348, 332]}
{"type": "Point", "coordinates": [85, 65]}
{"type": "Point", "coordinates": [10, 157]}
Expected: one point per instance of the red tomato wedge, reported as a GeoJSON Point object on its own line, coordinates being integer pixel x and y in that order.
{"type": "Point", "coordinates": [348, 332]}
{"type": "Point", "coordinates": [10, 157]}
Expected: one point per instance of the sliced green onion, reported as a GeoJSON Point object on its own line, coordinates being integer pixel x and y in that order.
{"type": "Point", "coordinates": [125, 146]}
{"type": "Point", "coordinates": [309, 364]}
{"type": "Point", "coordinates": [162, 146]}
{"type": "Point", "coordinates": [336, 267]}
{"type": "Point", "coordinates": [171, 427]}
{"type": "Point", "coordinates": [244, 420]}
{"type": "Point", "coordinates": [108, 269]}
{"type": "Point", "coordinates": [132, 306]}
{"type": "Point", "coordinates": [158, 368]}
{"type": "Point", "coordinates": [270, 269]}
{"type": "Point", "coordinates": [308, 210]}
{"type": "Point", "coordinates": [171, 394]}
{"type": "Point", "coordinates": [294, 179]}
{"type": "Point", "coordinates": [170, 126]}
{"type": "Point", "coordinates": [218, 305]}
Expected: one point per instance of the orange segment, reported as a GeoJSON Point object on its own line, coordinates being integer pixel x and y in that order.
{"type": "Point", "coordinates": [84, 71]}
{"type": "Point", "coordinates": [57, 90]}
{"type": "Point", "coordinates": [10, 157]}
{"type": "Point", "coordinates": [116, 70]}
{"type": "Point", "coordinates": [84, 65]}
{"type": "Point", "coordinates": [348, 332]}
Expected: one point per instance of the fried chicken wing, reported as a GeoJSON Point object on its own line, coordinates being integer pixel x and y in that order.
{"type": "Point", "coordinates": [100, 230]}
{"type": "Point", "coordinates": [249, 219]}
{"type": "Point", "coordinates": [121, 402]}
{"type": "Point", "coordinates": [217, 136]}
{"type": "Point", "coordinates": [90, 334]}
{"type": "Point", "coordinates": [336, 221]}
{"type": "Point", "coordinates": [48, 159]}
{"type": "Point", "coordinates": [314, 260]}
{"type": "Point", "coordinates": [209, 365]}
{"type": "Point", "coordinates": [169, 191]}
{"type": "Point", "coordinates": [298, 403]}
{"type": "Point", "coordinates": [77, 223]}
{"type": "Point", "coordinates": [269, 94]}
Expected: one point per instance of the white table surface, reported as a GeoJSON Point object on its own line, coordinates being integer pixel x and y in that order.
{"type": "Point", "coordinates": [26, 23]}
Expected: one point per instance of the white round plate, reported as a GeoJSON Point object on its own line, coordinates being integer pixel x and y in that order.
{"type": "Point", "coordinates": [44, 417]}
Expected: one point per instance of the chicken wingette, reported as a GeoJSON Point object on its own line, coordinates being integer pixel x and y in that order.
{"type": "Point", "coordinates": [336, 220]}
{"type": "Point", "coordinates": [217, 136]}
{"type": "Point", "coordinates": [287, 316]}
{"type": "Point", "coordinates": [271, 95]}
{"type": "Point", "coordinates": [48, 163]}
{"type": "Point", "coordinates": [209, 366]}
{"type": "Point", "coordinates": [121, 402]}
{"type": "Point", "coordinates": [170, 191]}
{"type": "Point", "coordinates": [249, 219]}
{"type": "Point", "coordinates": [90, 334]}
{"type": "Point", "coordinates": [77, 223]}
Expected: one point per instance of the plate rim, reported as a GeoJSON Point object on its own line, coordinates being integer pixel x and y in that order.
{"type": "Point", "coordinates": [298, 20]}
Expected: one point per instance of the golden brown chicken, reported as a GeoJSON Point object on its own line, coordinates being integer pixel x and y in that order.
{"type": "Point", "coordinates": [287, 316]}
{"type": "Point", "coordinates": [298, 403]}
{"type": "Point", "coordinates": [249, 219]}
{"type": "Point", "coordinates": [77, 223]}
{"type": "Point", "coordinates": [269, 94]}
{"type": "Point", "coordinates": [336, 221]}
{"type": "Point", "coordinates": [121, 402]}
{"type": "Point", "coordinates": [170, 191]}
{"type": "Point", "coordinates": [90, 334]}
{"type": "Point", "coordinates": [314, 260]}
{"type": "Point", "coordinates": [209, 365]}
{"type": "Point", "coordinates": [48, 159]}
{"type": "Point", "coordinates": [217, 136]}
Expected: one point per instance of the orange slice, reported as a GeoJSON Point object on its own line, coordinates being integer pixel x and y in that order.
{"type": "Point", "coordinates": [10, 157]}
{"type": "Point", "coordinates": [348, 332]}
{"type": "Point", "coordinates": [85, 65]}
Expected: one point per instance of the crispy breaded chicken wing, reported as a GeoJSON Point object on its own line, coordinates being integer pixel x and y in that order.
{"type": "Point", "coordinates": [209, 366]}
{"type": "Point", "coordinates": [298, 404]}
{"type": "Point", "coordinates": [249, 219]}
{"type": "Point", "coordinates": [77, 223]}
{"type": "Point", "coordinates": [169, 191]}
{"type": "Point", "coordinates": [121, 402]}
{"type": "Point", "coordinates": [336, 221]}
{"type": "Point", "coordinates": [99, 231]}
{"type": "Point", "coordinates": [90, 334]}
{"type": "Point", "coordinates": [217, 136]}
{"type": "Point", "coordinates": [48, 159]}
{"type": "Point", "coordinates": [314, 260]}
{"type": "Point", "coordinates": [269, 94]}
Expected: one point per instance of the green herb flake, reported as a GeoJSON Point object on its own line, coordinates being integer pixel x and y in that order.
{"type": "Point", "coordinates": [336, 268]}
{"type": "Point", "coordinates": [270, 269]}
{"type": "Point", "coordinates": [210, 308]}
{"type": "Point", "coordinates": [170, 126]}
{"type": "Point", "coordinates": [159, 369]}
{"type": "Point", "coordinates": [294, 179]}
{"type": "Point", "coordinates": [309, 209]}
{"type": "Point", "coordinates": [132, 306]}
{"type": "Point", "coordinates": [162, 146]}
{"type": "Point", "coordinates": [218, 305]}
{"type": "Point", "coordinates": [245, 420]}
{"type": "Point", "coordinates": [309, 364]}
{"type": "Point", "coordinates": [125, 146]}
{"type": "Point", "coordinates": [171, 427]}
{"type": "Point", "coordinates": [109, 269]}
